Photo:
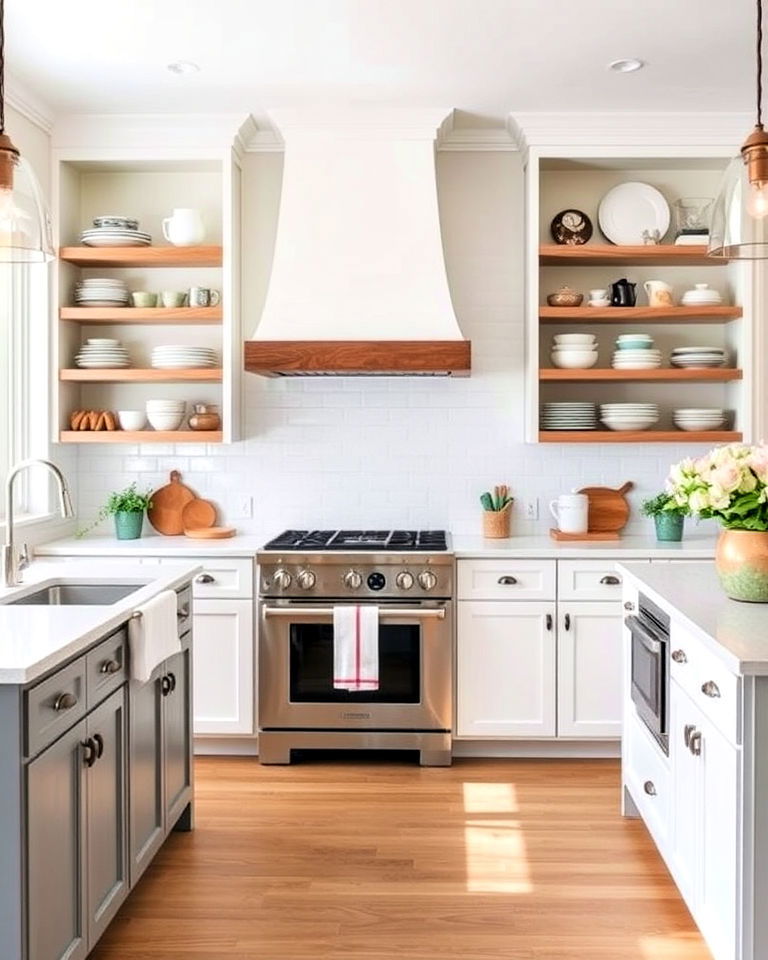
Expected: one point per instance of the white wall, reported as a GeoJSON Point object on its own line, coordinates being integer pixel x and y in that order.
{"type": "Point", "coordinates": [378, 452]}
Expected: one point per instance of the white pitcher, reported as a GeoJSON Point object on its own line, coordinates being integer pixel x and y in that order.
{"type": "Point", "coordinates": [571, 510]}
{"type": "Point", "coordinates": [659, 293]}
{"type": "Point", "coordinates": [185, 228]}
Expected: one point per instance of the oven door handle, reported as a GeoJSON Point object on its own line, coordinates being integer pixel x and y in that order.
{"type": "Point", "coordinates": [637, 629]}
{"type": "Point", "coordinates": [384, 614]}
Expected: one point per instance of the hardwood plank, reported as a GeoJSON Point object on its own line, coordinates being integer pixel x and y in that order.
{"type": "Point", "coordinates": [716, 375]}
{"type": "Point", "coordinates": [208, 256]}
{"type": "Point", "coordinates": [140, 436]}
{"type": "Point", "coordinates": [639, 436]}
{"type": "Point", "coordinates": [375, 859]}
{"type": "Point", "coordinates": [139, 375]}
{"type": "Point", "coordinates": [604, 254]}
{"type": "Point", "coordinates": [643, 315]}
{"type": "Point", "coordinates": [286, 357]}
{"type": "Point", "coordinates": [148, 315]}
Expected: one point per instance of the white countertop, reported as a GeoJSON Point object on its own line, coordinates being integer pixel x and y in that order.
{"type": "Point", "coordinates": [36, 639]}
{"type": "Point", "coordinates": [153, 545]}
{"type": "Point", "coordinates": [691, 593]}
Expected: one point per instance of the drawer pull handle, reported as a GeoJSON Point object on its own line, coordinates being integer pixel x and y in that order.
{"type": "Point", "coordinates": [507, 581]}
{"type": "Point", "coordinates": [650, 788]}
{"type": "Point", "coordinates": [611, 581]}
{"type": "Point", "coordinates": [549, 621]}
{"type": "Point", "coordinates": [109, 666]}
{"type": "Point", "coordinates": [89, 754]}
{"type": "Point", "coordinates": [679, 656]}
{"type": "Point", "coordinates": [695, 744]}
{"type": "Point", "coordinates": [182, 613]}
{"type": "Point", "coordinates": [710, 689]}
{"type": "Point", "coordinates": [165, 685]}
{"type": "Point", "coordinates": [99, 741]}
{"type": "Point", "coordinates": [64, 701]}
{"type": "Point", "coordinates": [172, 682]}
{"type": "Point", "coordinates": [205, 578]}
{"type": "Point", "coordinates": [687, 731]}
{"type": "Point", "coordinates": [567, 621]}
{"type": "Point", "coordinates": [628, 605]}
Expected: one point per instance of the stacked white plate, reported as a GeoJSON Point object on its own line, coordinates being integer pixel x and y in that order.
{"type": "Point", "coordinates": [629, 416]}
{"type": "Point", "coordinates": [569, 416]}
{"type": "Point", "coordinates": [574, 351]}
{"type": "Point", "coordinates": [101, 292]}
{"type": "Point", "coordinates": [101, 353]}
{"type": "Point", "coordinates": [698, 357]}
{"type": "Point", "coordinates": [701, 296]}
{"type": "Point", "coordinates": [166, 414]}
{"type": "Point", "coordinates": [698, 418]}
{"type": "Point", "coordinates": [177, 357]}
{"type": "Point", "coordinates": [641, 359]}
{"type": "Point", "coordinates": [114, 231]}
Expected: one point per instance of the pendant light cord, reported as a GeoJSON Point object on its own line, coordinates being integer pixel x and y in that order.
{"type": "Point", "coordinates": [759, 61]}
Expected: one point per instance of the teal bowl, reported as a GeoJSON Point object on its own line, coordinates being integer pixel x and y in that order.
{"type": "Point", "coordinates": [634, 344]}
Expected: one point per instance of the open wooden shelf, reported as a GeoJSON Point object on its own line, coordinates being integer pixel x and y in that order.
{"type": "Point", "coordinates": [142, 256]}
{"type": "Point", "coordinates": [639, 436]}
{"type": "Point", "coordinates": [639, 314]}
{"type": "Point", "coordinates": [140, 436]}
{"type": "Point", "coordinates": [604, 254]}
{"type": "Point", "coordinates": [144, 315]}
{"type": "Point", "coordinates": [142, 375]}
{"type": "Point", "coordinates": [717, 375]}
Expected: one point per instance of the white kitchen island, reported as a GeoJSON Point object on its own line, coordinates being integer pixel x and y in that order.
{"type": "Point", "coordinates": [706, 803]}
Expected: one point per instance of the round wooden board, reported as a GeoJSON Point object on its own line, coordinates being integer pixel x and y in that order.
{"type": "Point", "coordinates": [167, 505]}
{"type": "Point", "coordinates": [210, 533]}
{"type": "Point", "coordinates": [608, 510]}
{"type": "Point", "coordinates": [198, 514]}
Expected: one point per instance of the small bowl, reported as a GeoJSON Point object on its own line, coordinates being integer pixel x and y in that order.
{"type": "Point", "coordinates": [565, 298]}
{"type": "Point", "coordinates": [165, 421]}
{"type": "Point", "coordinates": [131, 419]}
{"type": "Point", "coordinates": [574, 359]}
{"type": "Point", "coordinates": [143, 298]}
{"type": "Point", "coordinates": [574, 338]}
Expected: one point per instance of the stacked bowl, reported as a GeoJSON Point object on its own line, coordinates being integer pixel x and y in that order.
{"type": "Point", "coordinates": [635, 351]}
{"type": "Point", "coordinates": [629, 416]}
{"type": "Point", "coordinates": [99, 354]}
{"type": "Point", "coordinates": [574, 351]}
{"type": "Point", "coordinates": [568, 416]}
{"type": "Point", "coordinates": [701, 296]}
{"type": "Point", "coordinates": [166, 414]}
{"type": "Point", "coordinates": [101, 292]}
{"type": "Point", "coordinates": [698, 418]}
{"type": "Point", "coordinates": [114, 231]}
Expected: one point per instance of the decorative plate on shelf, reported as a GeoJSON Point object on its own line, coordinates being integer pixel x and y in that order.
{"type": "Point", "coordinates": [571, 228]}
{"type": "Point", "coordinates": [630, 208]}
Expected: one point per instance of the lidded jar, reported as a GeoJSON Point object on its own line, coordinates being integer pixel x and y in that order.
{"type": "Point", "coordinates": [205, 417]}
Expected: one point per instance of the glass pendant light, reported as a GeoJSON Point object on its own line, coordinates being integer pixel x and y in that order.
{"type": "Point", "coordinates": [739, 227]}
{"type": "Point", "coordinates": [25, 226]}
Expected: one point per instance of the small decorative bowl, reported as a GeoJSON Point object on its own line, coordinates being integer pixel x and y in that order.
{"type": "Point", "coordinates": [565, 297]}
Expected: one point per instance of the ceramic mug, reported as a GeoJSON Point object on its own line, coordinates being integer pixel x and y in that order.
{"type": "Point", "coordinates": [185, 228]}
{"type": "Point", "coordinates": [659, 293]}
{"type": "Point", "coordinates": [571, 511]}
{"type": "Point", "coordinates": [142, 298]}
{"type": "Point", "coordinates": [203, 297]}
{"type": "Point", "coordinates": [173, 298]}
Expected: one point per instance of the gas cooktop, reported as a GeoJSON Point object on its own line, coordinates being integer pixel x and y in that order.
{"type": "Point", "coordinates": [398, 540]}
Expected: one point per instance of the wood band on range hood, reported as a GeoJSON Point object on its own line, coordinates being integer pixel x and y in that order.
{"type": "Point", "coordinates": [275, 358]}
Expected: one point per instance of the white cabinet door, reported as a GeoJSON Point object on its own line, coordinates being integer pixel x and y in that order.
{"type": "Point", "coordinates": [686, 795]}
{"type": "Point", "coordinates": [505, 669]}
{"type": "Point", "coordinates": [223, 666]}
{"type": "Point", "coordinates": [589, 670]}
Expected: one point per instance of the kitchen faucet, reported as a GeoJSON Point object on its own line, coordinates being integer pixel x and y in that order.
{"type": "Point", "coordinates": [13, 562]}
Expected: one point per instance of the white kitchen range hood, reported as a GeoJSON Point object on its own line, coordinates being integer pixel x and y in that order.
{"type": "Point", "coordinates": [358, 284]}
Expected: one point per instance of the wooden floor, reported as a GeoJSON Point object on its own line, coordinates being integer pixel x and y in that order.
{"type": "Point", "coordinates": [366, 860]}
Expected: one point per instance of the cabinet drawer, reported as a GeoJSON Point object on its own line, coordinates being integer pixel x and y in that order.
{"type": "Point", "coordinates": [650, 779]}
{"type": "Point", "coordinates": [53, 706]}
{"type": "Point", "coordinates": [707, 681]}
{"type": "Point", "coordinates": [589, 580]}
{"type": "Point", "coordinates": [223, 578]}
{"type": "Point", "coordinates": [105, 667]}
{"type": "Point", "coordinates": [506, 579]}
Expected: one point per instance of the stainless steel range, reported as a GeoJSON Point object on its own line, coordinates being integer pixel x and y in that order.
{"type": "Point", "coordinates": [409, 575]}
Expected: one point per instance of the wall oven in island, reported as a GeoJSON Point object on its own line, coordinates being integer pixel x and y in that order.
{"type": "Point", "coordinates": [649, 631]}
{"type": "Point", "coordinates": [299, 708]}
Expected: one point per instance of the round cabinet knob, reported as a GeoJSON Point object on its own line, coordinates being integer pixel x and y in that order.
{"type": "Point", "coordinates": [427, 580]}
{"type": "Point", "coordinates": [404, 580]}
{"type": "Point", "coordinates": [282, 579]}
{"type": "Point", "coordinates": [353, 579]}
{"type": "Point", "coordinates": [306, 579]}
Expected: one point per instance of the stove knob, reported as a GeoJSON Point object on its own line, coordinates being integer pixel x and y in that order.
{"type": "Point", "coordinates": [404, 580]}
{"type": "Point", "coordinates": [282, 579]}
{"type": "Point", "coordinates": [353, 579]}
{"type": "Point", "coordinates": [306, 579]}
{"type": "Point", "coordinates": [427, 580]}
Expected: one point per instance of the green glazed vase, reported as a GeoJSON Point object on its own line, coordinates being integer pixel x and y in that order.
{"type": "Point", "coordinates": [669, 526]}
{"type": "Point", "coordinates": [128, 525]}
{"type": "Point", "coordinates": [742, 564]}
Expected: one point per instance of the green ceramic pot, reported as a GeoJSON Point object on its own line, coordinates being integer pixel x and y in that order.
{"type": "Point", "coordinates": [128, 525]}
{"type": "Point", "coordinates": [742, 564]}
{"type": "Point", "coordinates": [669, 526]}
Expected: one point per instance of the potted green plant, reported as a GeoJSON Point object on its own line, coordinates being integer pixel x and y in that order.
{"type": "Point", "coordinates": [668, 516]}
{"type": "Point", "coordinates": [128, 508]}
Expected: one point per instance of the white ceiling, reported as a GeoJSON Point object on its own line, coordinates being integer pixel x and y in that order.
{"type": "Point", "coordinates": [486, 58]}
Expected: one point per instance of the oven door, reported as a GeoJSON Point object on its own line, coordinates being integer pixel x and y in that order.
{"type": "Point", "coordinates": [296, 669]}
{"type": "Point", "coordinates": [649, 677]}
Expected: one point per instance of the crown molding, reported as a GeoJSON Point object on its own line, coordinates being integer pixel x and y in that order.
{"type": "Point", "coordinates": [614, 128]}
{"type": "Point", "coordinates": [196, 133]}
{"type": "Point", "coordinates": [28, 104]}
{"type": "Point", "coordinates": [453, 138]}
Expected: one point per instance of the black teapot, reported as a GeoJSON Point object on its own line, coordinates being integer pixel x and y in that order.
{"type": "Point", "coordinates": [623, 293]}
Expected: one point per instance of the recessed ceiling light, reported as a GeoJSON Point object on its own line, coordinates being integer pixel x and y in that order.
{"type": "Point", "coordinates": [181, 67]}
{"type": "Point", "coordinates": [628, 65]}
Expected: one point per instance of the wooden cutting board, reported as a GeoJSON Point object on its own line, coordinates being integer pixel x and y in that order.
{"type": "Point", "coordinates": [167, 506]}
{"type": "Point", "coordinates": [198, 514]}
{"type": "Point", "coordinates": [608, 508]}
{"type": "Point", "coordinates": [211, 533]}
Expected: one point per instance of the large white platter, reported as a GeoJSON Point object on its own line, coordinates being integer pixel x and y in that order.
{"type": "Point", "coordinates": [628, 209]}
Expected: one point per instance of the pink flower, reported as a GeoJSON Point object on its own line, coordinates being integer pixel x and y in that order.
{"type": "Point", "coordinates": [727, 477]}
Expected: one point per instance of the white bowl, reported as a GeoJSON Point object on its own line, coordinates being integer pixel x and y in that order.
{"type": "Point", "coordinates": [170, 406]}
{"type": "Point", "coordinates": [703, 425]}
{"type": "Point", "coordinates": [165, 421]}
{"type": "Point", "coordinates": [574, 338]}
{"type": "Point", "coordinates": [619, 425]}
{"type": "Point", "coordinates": [131, 419]}
{"type": "Point", "coordinates": [574, 360]}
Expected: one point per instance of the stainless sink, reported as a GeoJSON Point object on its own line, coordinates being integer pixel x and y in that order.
{"type": "Point", "coordinates": [78, 594]}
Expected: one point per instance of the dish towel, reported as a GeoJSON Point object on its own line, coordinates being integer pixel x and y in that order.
{"type": "Point", "coordinates": [355, 648]}
{"type": "Point", "coordinates": [154, 635]}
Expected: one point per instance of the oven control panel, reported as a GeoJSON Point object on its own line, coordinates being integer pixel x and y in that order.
{"type": "Point", "coordinates": [415, 577]}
